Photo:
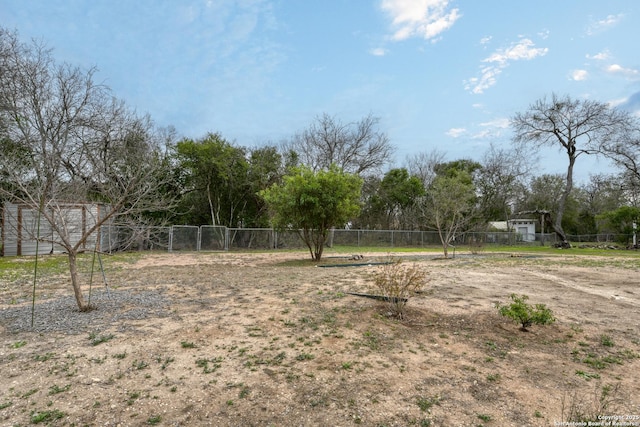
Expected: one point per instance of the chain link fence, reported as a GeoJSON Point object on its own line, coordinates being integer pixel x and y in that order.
{"type": "Point", "coordinates": [179, 238]}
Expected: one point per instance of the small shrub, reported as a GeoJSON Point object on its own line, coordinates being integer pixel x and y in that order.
{"type": "Point", "coordinates": [526, 314]}
{"type": "Point", "coordinates": [397, 282]}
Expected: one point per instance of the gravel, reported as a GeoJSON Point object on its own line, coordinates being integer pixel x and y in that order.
{"type": "Point", "coordinates": [113, 308]}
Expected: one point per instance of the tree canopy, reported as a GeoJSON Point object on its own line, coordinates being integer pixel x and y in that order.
{"type": "Point", "coordinates": [312, 203]}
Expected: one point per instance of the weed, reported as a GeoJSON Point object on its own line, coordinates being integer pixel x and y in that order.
{"type": "Point", "coordinates": [538, 414]}
{"type": "Point", "coordinates": [46, 416]}
{"type": "Point", "coordinates": [209, 365]}
{"type": "Point", "coordinates": [95, 339]}
{"type": "Point", "coordinates": [493, 377]}
{"type": "Point", "coordinates": [5, 405]}
{"type": "Point", "coordinates": [584, 408]}
{"type": "Point", "coordinates": [304, 356]}
{"type": "Point", "coordinates": [43, 357]}
{"type": "Point", "coordinates": [154, 420]}
{"type": "Point", "coordinates": [347, 365]}
{"type": "Point", "coordinates": [54, 389]}
{"type": "Point", "coordinates": [526, 314]}
{"type": "Point", "coordinates": [132, 397]}
{"type": "Point", "coordinates": [120, 355]}
{"type": "Point", "coordinates": [18, 344]}
{"type": "Point", "coordinates": [425, 403]}
{"type": "Point", "coordinates": [606, 341]}
{"type": "Point", "coordinates": [244, 392]}
{"type": "Point", "coordinates": [30, 392]}
{"type": "Point", "coordinates": [186, 344]}
{"type": "Point", "coordinates": [586, 375]}
{"type": "Point", "coordinates": [139, 365]}
{"type": "Point", "coordinates": [484, 417]}
{"type": "Point", "coordinates": [166, 362]}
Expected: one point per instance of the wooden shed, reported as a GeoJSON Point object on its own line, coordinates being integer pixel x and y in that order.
{"type": "Point", "coordinates": [20, 227]}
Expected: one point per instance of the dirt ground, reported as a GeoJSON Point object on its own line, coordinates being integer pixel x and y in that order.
{"type": "Point", "coordinates": [270, 339]}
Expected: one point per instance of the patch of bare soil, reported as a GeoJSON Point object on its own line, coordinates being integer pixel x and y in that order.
{"type": "Point", "coordinates": [229, 339]}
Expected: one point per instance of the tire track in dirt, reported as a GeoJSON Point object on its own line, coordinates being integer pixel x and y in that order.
{"type": "Point", "coordinates": [608, 294]}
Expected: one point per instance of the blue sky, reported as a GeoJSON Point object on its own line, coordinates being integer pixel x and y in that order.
{"type": "Point", "coordinates": [440, 74]}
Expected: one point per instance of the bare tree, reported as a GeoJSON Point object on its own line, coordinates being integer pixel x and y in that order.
{"type": "Point", "coordinates": [576, 126]}
{"type": "Point", "coordinates": [423, 165]}
{"type": "Point", "coordinates": [357, 147]}
{"type": "Point", "coordinates": [70, 143]}
{"type": "Point", "coordinates": [500, 181]}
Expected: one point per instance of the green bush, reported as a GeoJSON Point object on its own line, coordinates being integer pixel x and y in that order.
{"type": "Point", "coordinates": [526, 314]}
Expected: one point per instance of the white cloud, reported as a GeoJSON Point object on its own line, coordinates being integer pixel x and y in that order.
{"type": "Point", "coordinates": [419, 18]}
{"type": "Point", "coordinates": [456, 132]}
{"type": "Point", "coordinates": [501, 123]}
{"type": "Point", "coordinates": [378, 51]}
{"type": "Point", "coordinates": [579, 75]}
{"type": "Point", "coordinates": [617, 102]}
{"type": "Point", "coordinates": [600, 56]}
{"type": "Point", "coordinates": [544, 34]}
{"type": "Point", "coordinates": [522, 50]}
{"type": "Point", "coordinates": [629, 73]}
{"type": "Point", "coordinates": [482, 134]}
{"type": "Point", "coordinates": [604, 24]}
{"type": "Point", "coordinates": [485, 40]}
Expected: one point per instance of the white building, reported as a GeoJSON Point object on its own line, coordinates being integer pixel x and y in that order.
{"type": "Point", "coordinates": [525, 227]}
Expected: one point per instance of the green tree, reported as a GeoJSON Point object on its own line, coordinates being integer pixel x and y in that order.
{"type": "Point", "coordinates": [620, 220]}
{"type": "Point", "coordinates": [265, 170]}
{"type": "Point", "coordinates": [390, 201]}
{"type": "Point", "coordinates": [215, 177]}
{"type": "Point", "coordinates": [312, 203]}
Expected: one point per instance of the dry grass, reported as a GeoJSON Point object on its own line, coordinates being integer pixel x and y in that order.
{"type": "Point", "coordinates": [258, 339]}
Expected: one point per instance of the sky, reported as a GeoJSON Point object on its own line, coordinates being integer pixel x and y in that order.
{"type": "Point", "coordinates": [441, 75]}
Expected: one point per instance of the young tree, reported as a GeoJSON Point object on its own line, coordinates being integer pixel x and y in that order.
{"type": "Point", "coordinates": [448, 205]}
{"type": "Point", "coordinates": [312, 203]}
{"type": "Point", "coordinates": [65, 139]}
{"type": "Point", "coordinates": [577, 127]}
{"type": "Point", "coordinates": [353, 147]}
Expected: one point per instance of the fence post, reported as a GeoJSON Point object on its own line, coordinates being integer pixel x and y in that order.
{"type": "Point", "coordinates": [171, 239]}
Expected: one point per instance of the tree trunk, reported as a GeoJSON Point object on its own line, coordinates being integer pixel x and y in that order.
{"type": "Point", "coordinates": [213, 217]}
{"type": "Point", "coordinates": [73, 269]}
{"type": "Point", "coordinates": [557, 224]}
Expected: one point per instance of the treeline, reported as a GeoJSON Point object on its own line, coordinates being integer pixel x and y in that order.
{"type": "Point", "coordinates": [218, 182]}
